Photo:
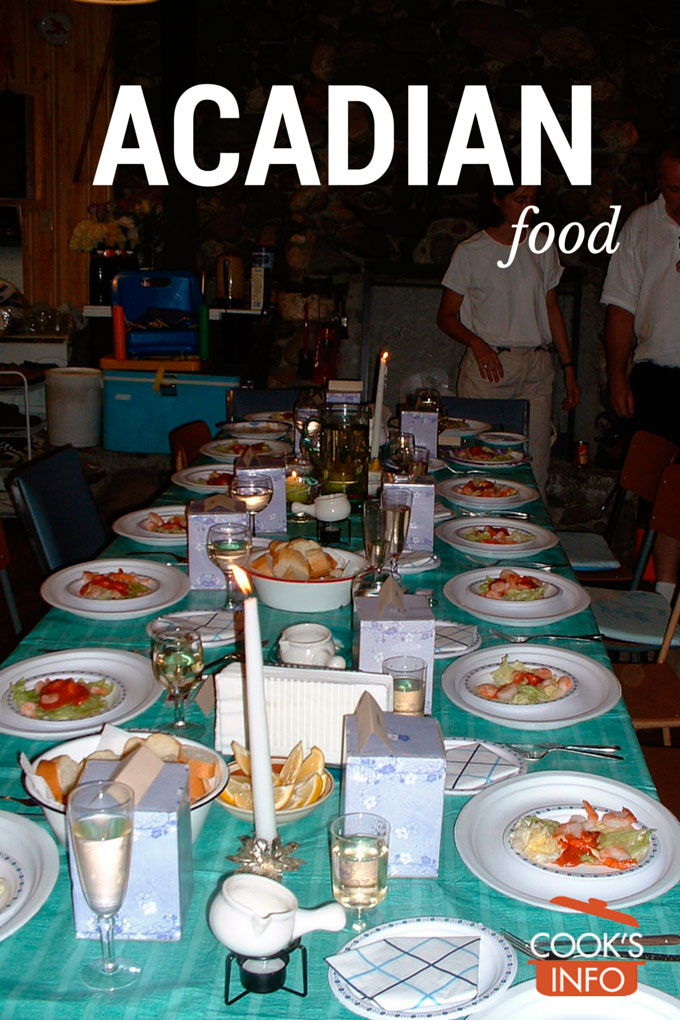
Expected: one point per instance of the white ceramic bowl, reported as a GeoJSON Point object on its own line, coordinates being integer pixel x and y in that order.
{"type": "Point", "coordinates": [310, 596]}
{"type": "Point", "coordinates": [283, 815]}
{"type": "Point", "coordinates": [55, 813]}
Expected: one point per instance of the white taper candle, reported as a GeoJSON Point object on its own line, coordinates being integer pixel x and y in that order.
{"type": "Point", "coordinates": [379, 400]}
{"type": "Point", "coordinates": [258, 732]}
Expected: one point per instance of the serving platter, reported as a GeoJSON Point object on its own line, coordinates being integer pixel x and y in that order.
{"type": "Point", "coordinates": [484, 824]}
{"type": "Point", "coordinates": [562, 598]}
{"type": "Point", "coordinates": [133, 526]}
{"type": "Point", "coordinates": [595, 689]}
{"type": "Point", "coordinates": [169, 586]}
{"type": "Point", "coordinates": [135, 690]}
{"type": "Point", "coordinates": [450, 490]}
{"type": "Point", "coordinates": [534, 538]}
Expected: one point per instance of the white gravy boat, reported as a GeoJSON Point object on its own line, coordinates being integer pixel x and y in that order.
{"type": "Point", "coordinates": [332, 506]}
{"type": "Point", "coordinates": [309, 644]}
{"type": "Point", "coordinates": [256, 916]}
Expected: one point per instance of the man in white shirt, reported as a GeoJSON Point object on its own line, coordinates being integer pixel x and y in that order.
{"type": "Point", "coordinates": [642, 292]}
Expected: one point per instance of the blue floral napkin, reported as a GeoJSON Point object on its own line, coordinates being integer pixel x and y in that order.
{"type": "Point", "coordinates": [412, 973]}
{"type": "Point", "coordinates": [472, 766]}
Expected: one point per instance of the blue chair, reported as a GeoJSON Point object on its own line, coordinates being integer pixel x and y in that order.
{"type": "Point", "coordinates": [56, 507]}
{"type": "Point", "coordinates": [161, 311]}
{"type": "Point", "coordinates": [502, 415]}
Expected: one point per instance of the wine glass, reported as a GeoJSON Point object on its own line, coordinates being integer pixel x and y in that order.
{"type": "Point", "coordinates": [100, 818]}
{"type": "Point", "coordinates": [401, 451]}
{"type": "Point", "coordinates": [427, 400]}
{"type": "Point", "coordinates": [374, 539]}
{"type": "Point", "coordinates": [255, 491]}
{"type": "Point", "coordinates": [177, 661]}
{"type": "Point", "coordinates": [359, 851]}
{"type": "Point", "coordinates": [229, 544]}
{"type": "Point", "coordinates": [396, 517]}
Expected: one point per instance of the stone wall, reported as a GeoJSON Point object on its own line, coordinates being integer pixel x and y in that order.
{"type": "Point", "coordinates": [325, 236]}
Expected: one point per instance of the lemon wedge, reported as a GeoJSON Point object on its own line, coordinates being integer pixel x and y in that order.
{"type": "Point", "coordinates": [238, 792]}
{"type": "Point", "coordinates": [288, 773]}
{"type": "Point", "coordinates": [242, 756]}
{"type": "Point", "coordinates": [307, 792]}
{"type": "Point", "coordinates": [282, 795]}
{"type": "Point", "coordinates": [313, 763]}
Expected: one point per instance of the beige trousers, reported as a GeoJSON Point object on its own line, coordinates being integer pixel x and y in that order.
{"type": "Point", "coordinates": [527, 375]}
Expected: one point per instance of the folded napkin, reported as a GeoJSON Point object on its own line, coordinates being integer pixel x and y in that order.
{"type": "Point", "coordinates": [215, 627]}
{"type": "Point", "coordinates": [442, 512]}
{"type": "Point", "coordinates": [412, 973]}
{"type": "Point", "coordinates": [451, 637]}
{"type": "Point", "coordinates": [474, 765]}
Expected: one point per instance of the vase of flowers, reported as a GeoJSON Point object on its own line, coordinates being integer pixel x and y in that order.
{"type": "Point", "coordinates": [119, 235]}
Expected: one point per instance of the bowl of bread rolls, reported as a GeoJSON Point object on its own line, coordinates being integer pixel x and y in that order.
{"type": "Point", "coordinates": [54, 773]}
{"type": "Point", "coordinates": [302, 576]}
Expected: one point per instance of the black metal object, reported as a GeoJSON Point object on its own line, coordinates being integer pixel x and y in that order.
{"type": "Point", "coordinates": [262, 975]}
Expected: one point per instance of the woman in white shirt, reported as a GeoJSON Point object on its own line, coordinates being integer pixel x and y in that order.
{"type": "Point", "coordinates": [506, 318]}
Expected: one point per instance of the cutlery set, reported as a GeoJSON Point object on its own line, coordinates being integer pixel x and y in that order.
{"type": "Point", "coordinates": [534, 752]}
{"type": "Point", "coordinates": [525, 947]}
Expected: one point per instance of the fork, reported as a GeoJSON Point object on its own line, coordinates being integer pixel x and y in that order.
{"type": "Point", "coordinates": [534, 752]}
{"type": "Point", "coordinates": [520, 639]}
{"type": "Point", "coordinates": [525, 947]}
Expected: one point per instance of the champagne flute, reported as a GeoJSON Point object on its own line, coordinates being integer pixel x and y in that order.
{"type": "Point", "coordinates": [374, 539]}
{"type": "Point", "coordinates": [177, 662]}
{"type": "Point", "coordinates": [396, 517]}
{"type": "Point", "coordinates": [229, 544]}
{"type": "Point", "coordinates": [255, 491]}
{"type": "Point", "coordinates": [401, 451]}
{"type": "Point", "coordinates": [359, 851]}
{"type": "Point", "coordinates": [100, 819]}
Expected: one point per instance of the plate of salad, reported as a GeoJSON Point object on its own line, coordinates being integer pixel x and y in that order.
{"type": "Point", "coordinates": [227, 450]}
{"type": "Point", "coordinates": [480, 493]}
{"type": "Point", "coordinates": [155, 525]}
{"type": "Point", "coordinates": [488, 456]}
{"type": "Point", "coordinates": [496, 538]}
{"type": "Point", "coordinates": [636, 841]}
{"type": "Point", "coordinates": [452, 430]}
{"type": "Point", "coordinates": [531, 686]}
{"type": "Point", "coordinates": [74, 692]}
{"type": "Point", "coordinates": [115, 589]}
{"type": "Point", "coordinates": [516, 596]}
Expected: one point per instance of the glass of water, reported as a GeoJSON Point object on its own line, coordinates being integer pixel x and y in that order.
{"type": "Point", "coordinates": [177, 662]}
{"type": "Point", "coordinates": [359, 853]}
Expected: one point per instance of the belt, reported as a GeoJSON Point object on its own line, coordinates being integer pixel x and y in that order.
{"type": "Point", "coordinates": [539, 347]}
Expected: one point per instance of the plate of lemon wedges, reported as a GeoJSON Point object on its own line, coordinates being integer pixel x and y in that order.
{"type": "Point", "coordinates": [301, 783]}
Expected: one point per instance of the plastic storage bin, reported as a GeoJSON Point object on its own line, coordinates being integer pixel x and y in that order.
{"type": "Point", "coordinates": [140, 410]}
{"type": "Point", "coordinates": [154, 295]}
{"type": "Point", "coordinates": [73, 397]}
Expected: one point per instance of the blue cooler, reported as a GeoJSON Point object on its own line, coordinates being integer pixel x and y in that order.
{"type": "Point", "coordinates": [140, 408]}
{"type": "Point", "coordinates": [161, 311]}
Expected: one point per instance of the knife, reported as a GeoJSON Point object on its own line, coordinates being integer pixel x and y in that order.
{"type": "Point", "coordinates": [623, 942]}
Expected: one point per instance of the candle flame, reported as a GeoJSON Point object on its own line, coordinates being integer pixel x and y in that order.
{"type": "Point", "coordinates": [242, 579]}
{"type": "Point", "coordinates": [384, 356]}
{"type": "Point", "coordinates": [293, 476]}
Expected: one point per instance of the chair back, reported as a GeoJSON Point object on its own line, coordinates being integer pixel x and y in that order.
{"type": "Point", "coordinates": [5, 582]}
{"type": "Point", "coordinates": [4, 548]}
{"type": "Point", "coordinates": [502, 415]}
{"type": "Point", "coordinates": [644, 464]}
{"type": "Point", "coordinates": [56, 507]}
{"type": "Point", "coordinates": [665, 520]}
{"type": "Point", "coordinates": [186, 442]}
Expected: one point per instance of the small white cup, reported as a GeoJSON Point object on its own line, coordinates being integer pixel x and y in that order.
{"type": "Point", "coordinates": [309, 644]}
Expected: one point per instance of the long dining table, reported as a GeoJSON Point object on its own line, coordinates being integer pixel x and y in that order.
{"type": "Point", "coordinates": [40, 963]}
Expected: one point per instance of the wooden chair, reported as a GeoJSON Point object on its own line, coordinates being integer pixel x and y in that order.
{"type": "Point", "coordinates": [55, 505]}
{"type": "Point", "coordinates": [186, 442]}
{"type": "Point", "coordinates": [4, 581]}
{"type": "Point", "coordinates": [642, 468]}
{"type": "Point", "coordinates": [652, 690]}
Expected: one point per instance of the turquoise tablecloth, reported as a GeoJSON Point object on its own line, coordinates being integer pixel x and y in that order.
{"type": "Point", "coordinates": [39, 965]}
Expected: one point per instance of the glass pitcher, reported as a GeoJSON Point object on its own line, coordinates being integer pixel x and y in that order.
{"type": "Point", "coordinates": [344, 449]}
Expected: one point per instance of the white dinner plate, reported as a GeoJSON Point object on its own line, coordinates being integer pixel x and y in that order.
{"type": "Point", "coordinates": [504, 438]}
{"type": "Point", "coordinates": [450, 489]}
{"type": "Point", "coordinates": [468, 427]}
{"type": "Point", "coordinates": [436, 464]}
{"type": "Point", "coordinates": [417, 562]}
{"type": "Point", "coordinates": [29, 863]}
{"type": "Point", "coordinates": [484, 824]}
{"type": "Point", "coordinates": [497, 966]}
{"type": "Point", "coordinates": [262, 428]}
{"type": "Point", "coordinates": [216, 626]}
{"type": "Point", "coordinates": [223, 450]}
{"type": "Point", "coordinates": [196, 479]}
{"type": "Point", "coordinates": [595, 688]}
{"type": "Point", "coordinates": [562, 598]}
{"type": "Point", "coordinates": [133, 526]}
{"type": "Point", "coordinates": [534, 538]}
{"type": "Point", "coordinates": [285, 416]}
{"type": "Point", "coordinates": [169, 586]}
{"type": "Point", "coordinates": [135, 689]}
{"type": "Point", "coordinates": [523, 1001]}
{"type": "Point", "coordinates": [454, 639]}
{"type": "Point", "coordinates": [505, 458]}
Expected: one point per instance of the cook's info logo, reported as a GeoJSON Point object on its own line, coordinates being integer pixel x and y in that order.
{"type": "Point", "coordinates": [610, 975]}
